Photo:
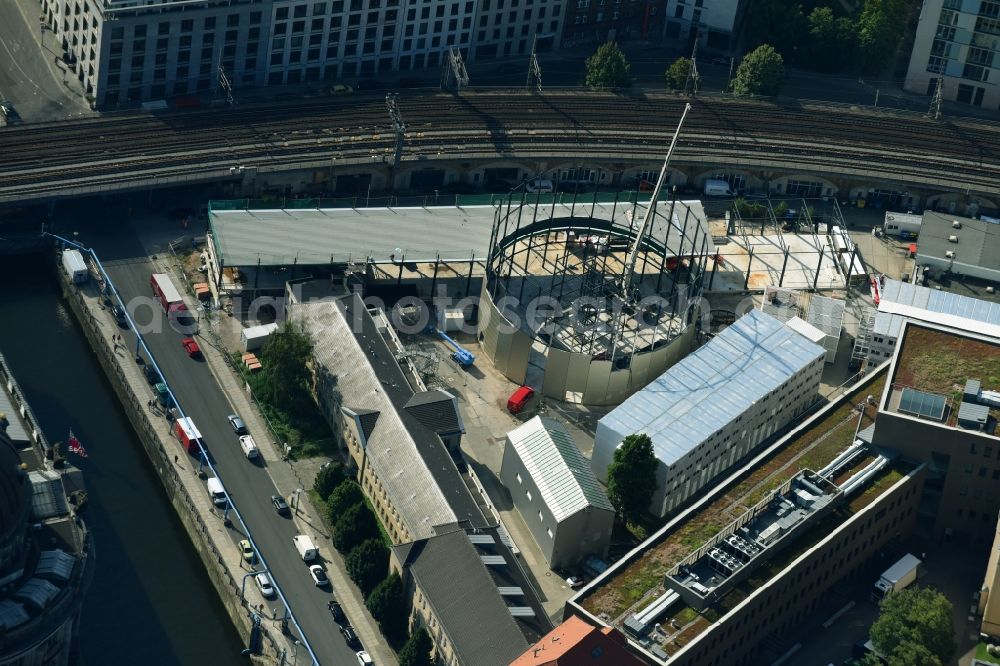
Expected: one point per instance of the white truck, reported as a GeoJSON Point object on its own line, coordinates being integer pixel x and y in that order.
{"type": "Point", "coordinates": [718, 188]}
{"type": "Point", "coordinates": [305, 546]}
{"type": "Point", "coordinates": [905, 225]}
{"type": "Point", "coordinates": [75, 266]}
{"type": "Point", "coordinates": [249, 447]}
{"type": "Point", "coordinates": [897, 577]}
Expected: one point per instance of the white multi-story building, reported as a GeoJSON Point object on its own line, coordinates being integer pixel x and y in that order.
{"type": "Point", "coordinates": [125, 51]}
{"type": "Point", "coordinates": [716, 405]}
{"type": "Point", "coordinates": [957, 41]}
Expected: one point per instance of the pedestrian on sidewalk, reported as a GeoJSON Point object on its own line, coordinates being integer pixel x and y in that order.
{"type": "Point", "coordinates": [175, 458]}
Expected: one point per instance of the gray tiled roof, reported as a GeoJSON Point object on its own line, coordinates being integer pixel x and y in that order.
{"type": "Point", "coordinates": [464, 597]}
{"type": "Point", "coordinates": [391, 450]}
{"type": "Point", "coordinates": [437, 410]}
{"type": "Point", "coordinates": [563, 476]}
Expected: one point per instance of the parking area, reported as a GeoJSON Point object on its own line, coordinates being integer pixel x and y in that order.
{"type": "Point", "coordinates": [954, 570]}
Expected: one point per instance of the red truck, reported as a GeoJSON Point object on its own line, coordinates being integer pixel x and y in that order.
{"type": "Point", "coordinates": [187, 433]}
{"type": "Point", "coordinates": [519, 398]}
{"type": "Point", "coordinates": [172, 303]}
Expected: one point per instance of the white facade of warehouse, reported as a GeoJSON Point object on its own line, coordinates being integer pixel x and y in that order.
{"type": "Point", "coordinates": [716, 405]}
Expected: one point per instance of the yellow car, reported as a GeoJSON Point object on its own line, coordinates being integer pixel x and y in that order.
{"type": "Point", "coordinates": [341, 89]}
{"type": "Point", "coordinates": [247, 550]}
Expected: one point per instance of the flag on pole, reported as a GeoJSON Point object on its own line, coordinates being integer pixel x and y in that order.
{"type": "Point", "coordinates": [75, 446]}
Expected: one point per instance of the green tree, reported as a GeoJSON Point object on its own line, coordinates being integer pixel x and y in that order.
{"type": "Point", "coordinates": [387, 606]}
{"type": "Point", "coordinates": [286, 355]}
{"type": "Point", "coordinates": [417, 650]}
{"type": "Point", "coordinates": [832, 41]}
{"type": "Point", "coordinates": [879, 28]}
{"type": "Point", "coordinates": [608, 68]}
{"type": "Point", "coordinates": [367, 564]}
{"type": "Point", "coordinates": [632, 477]}
{"type": "Point", "coordinates": [343, 497]}
{"type": "Point", "coordinates": [329, 477]}
{"type": "Point", "coordinates": [355, 525]}
{"type": "Point", "coordinates": [761, 72]}
{"type": "Point", "coordinates": [915, 627]}
{"type": "Point", "coordinates": [775, 22]}
{"type": "Point", "coordinates": [677, 74]}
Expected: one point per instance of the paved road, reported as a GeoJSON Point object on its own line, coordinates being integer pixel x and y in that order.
{"type": "Point", "coordinates": [29, 77]}
{"type": "Point", "coordinates": [247, 483]}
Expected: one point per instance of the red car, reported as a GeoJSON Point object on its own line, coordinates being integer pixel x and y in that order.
{"type": "Point", "coordinates": [191, 347]}
{"type": "Point", "coordinates": [519, 399]}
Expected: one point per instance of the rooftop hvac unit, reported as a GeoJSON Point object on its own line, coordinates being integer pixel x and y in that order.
{"type": "Point", "coordinates": [952, 239]}
{"type": "Point", "coordinates": [950, 254]}
{"type": "Point", "coordinates": [955, 224]}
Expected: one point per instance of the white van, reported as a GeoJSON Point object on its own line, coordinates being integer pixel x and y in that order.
{"type": "Point", "coordinates": [249, 447]}
{"type": "Point", "coordinates": [216, 491]}
{"type": "Point", "coordinates": [307, 549]}
{"type": "Point", "coordinates": [543, 185]}
{"type": "Point", "coordinates": [718, 188]}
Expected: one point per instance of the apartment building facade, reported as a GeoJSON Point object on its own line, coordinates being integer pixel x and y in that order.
{"type": "Point", "coordinates": [715, 22]}
{"type": "Point", "coordinates": [613, 20]}
{"type": "Point", "coordinates": [956, 43]}
{"type": "Point", "coordinates": [127, 51]}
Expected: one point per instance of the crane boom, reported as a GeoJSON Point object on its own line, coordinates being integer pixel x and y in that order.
{"type": "Point", "coordinates": [647, 220]}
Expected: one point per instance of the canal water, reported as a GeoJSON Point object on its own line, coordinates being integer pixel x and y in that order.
{"type": "Point", "coordinates": [150, 601]}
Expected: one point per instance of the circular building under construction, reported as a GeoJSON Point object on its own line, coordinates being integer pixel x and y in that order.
{"type": "Point", "coordinates": [603, 296]}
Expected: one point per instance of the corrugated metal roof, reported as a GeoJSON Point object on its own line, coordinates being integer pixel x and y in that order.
{"type": "Point", "coordinates": [37, 592]}
{"type": "Point", "coordinates": [12, 614]}
{"type": "Point", "coordinates": [337, 235]}
{"type": "Point", "coordinates": [562, 474]}
{"type": "Point", "coordinates": [804, 328]}
{"type": "Point", "coordinates": [55, 564]}
{"type": "Point", "coordinates": [15, 427]}
{"type": "Point", "coordinates": [714, 385]}
{"type": "Point", "coordinates": [826, 314]}
{"type": "Point", "coordinates": [902, 300]}
{"type": "Point", "coordinates": [391, 450]}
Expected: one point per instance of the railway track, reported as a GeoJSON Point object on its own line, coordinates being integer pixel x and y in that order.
{"type": "Point", "coordinates": [133, 149]}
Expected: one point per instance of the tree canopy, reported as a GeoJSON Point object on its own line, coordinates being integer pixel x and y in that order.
{"type": "Point", "coordinates": [780, 22]}
{"type": "Point", "coordinates": [327, 479]}
{"type": "Point", "coordinates": [677, 74]}
{"type": "Point", "coordinates": [417, 650]}
{"type": "Point", "coordinates": [761, 72]}
{"type": "Point", "coordinates": [343, 497]}
{"type": "Point", "coordinates": [608, 68]}
{"type": "Point", "coordinates": [879, 28]}
{"type": "Point", "coordinates": [367, 564]}
{"type": "Point", "coordinates": [286, 355]}
{"type": "Point", "coordinates": [915, 628]}
{"type": "Point", "coordinates": [387, 606]}
{"type": "Point", "coordinates": [355, 525]}
{"type": "Point", "coordinates": [632, 477]}
{"type": "Point", "coordinates": [832, 42]}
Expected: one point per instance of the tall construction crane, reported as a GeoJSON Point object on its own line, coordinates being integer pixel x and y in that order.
{"type": "Point", "coordinates": [647, 219]}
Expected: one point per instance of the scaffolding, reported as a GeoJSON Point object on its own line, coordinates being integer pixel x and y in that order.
{"type": "Point", "coordinates": [863, 341]}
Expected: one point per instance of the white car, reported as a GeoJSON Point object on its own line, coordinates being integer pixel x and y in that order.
{"type": "Point", "coordinates": [264, 585]}
{"type": "Point", "coordinates": [318, 574]}
{"type": "Point", "coordinates": [249, 447]}
{"type": "Point", "coordinates": [542, 185]}
{"type": "Point", "coordinates": [364, 659]}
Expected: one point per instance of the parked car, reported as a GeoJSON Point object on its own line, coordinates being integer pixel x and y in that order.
{"type": "Point", "coordinates": [264, 585]}
{"type": "Point", "coordinates": [247, 549]}
{"type": "Point", "coordinates": [10, 115]}
{"type": "Point", "coordinates": [519, 398]}
{"type": "Point", "coordinates": [120, 316]}
{"type": "Point", "coordinates": [318, 574]}
{"type": "Point", "coordinates": [542, 185]}
{"type": "Point", "coordinates": [574, 582]}
{"type": "Point", "coordinates": [351, 637]}
{"type": "Point", "coordinates": [364, 659]}
{"type": "Point", "coordinates": [341, 89]}
{"type": "Point", "coordinates": [238, 426]}
{"type": "Point", "coordinates": [191, 347]}
{"type": "Point", "coordinates": [280, 505]}
{"type": "Point", "coordinates": [152, 376]}
{"type": "Point", "coordinates": [336, 611]}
